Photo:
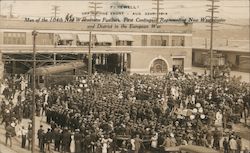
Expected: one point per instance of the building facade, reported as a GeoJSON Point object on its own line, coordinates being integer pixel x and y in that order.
{"type": "Point", "coordinates": [135, 48]}
{"type": "Point", "coordinates": [234, 53]}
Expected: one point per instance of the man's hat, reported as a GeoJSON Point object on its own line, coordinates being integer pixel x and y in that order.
{"type": "Point", "coordinates": [12, 124]}
{"type": "Point", "coordinates": [77, 130]}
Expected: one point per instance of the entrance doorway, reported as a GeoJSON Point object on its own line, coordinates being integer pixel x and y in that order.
{"type": "Point", "coordinates": [178, 64]}
{"type": "Point", "coordinates": [159, 66]}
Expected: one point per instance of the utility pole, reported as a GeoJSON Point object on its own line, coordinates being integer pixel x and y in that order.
{"type": "Point", "coordinates": [157, 9]}
{"type": "Point", "coordinates": [11, 11]}
{"type": "Point", "coordinates": [55, 8]}
{"type": "Point", "coordinates": [212, 10]}
{"type": "Point", "coordinates": [0, 8]}
{"type": "Point", "coordinates": [90, 55]}
{"type": "Point", "coordinates": [34, 34]}
{"type": "Point", "coordinates": [94, 6]}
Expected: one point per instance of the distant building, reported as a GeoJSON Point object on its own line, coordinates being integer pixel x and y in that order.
{"type": "Point", "coordinates": [139, 48]}
{"type": "Point", "coordinates": [1, 68]}
{"type": "Point", "coordinates": [234, 53]}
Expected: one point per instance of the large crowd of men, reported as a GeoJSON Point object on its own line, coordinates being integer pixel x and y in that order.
{"type": "Point", "coordinates": [134, 113]}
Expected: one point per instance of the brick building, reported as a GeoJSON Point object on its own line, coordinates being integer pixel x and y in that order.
{"type": "Point", "coordinates": [135, 48]}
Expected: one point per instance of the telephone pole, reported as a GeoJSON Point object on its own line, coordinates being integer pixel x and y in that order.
{"type": "Point", "coordinates": [94, 6]}
{"type": "Point", "coordinates": [11, 11]}
{"type": "Point", "coordinates": [212, 9]}
{"type": "Point", "coordinates": [34, 34]}
{"type": "Point", "coordinates": [157, 8]}
{"type": "Point", "coordinates": [0, 8]}
{"type": "Point", "coordinates": [90, 55]}
{"type": "Point", "coordinates": [55, 10]}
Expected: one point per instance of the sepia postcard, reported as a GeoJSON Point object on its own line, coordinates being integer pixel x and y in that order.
{"type": "Point", "coordinates": [124, 76]}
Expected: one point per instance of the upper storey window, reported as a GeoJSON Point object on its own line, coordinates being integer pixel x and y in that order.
{"type": "Point", "coordinates": [15, 38]}
{"type": "Point", "coordinates": [144, 39]}
{"type": "Point", "coordinates": [45, 39]}
{"type": "Point", "coordinates": [124, 40]}
{"type": "Point", "coordinates": [65, 39]}
{"type": "Point", "coordinates": [82, 39]}
{"type": "Point", "coordinates": [103, 40]}
{"type": "Point", "coordinates": [157, 40]}
{"type": "Point", "coordinates": [178, 40]}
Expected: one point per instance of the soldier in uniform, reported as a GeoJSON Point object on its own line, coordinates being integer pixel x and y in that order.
{"type": "Point", "coordinates": [57, 139]}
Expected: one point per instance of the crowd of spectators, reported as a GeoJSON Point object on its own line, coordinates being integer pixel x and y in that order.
{"type": "Point", "coordinates": [136, 113]}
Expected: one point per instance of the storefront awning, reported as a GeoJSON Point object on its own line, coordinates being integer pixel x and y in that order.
{"type": "Point", "coordinates": [83, 37]}
{"type": "Point", "coordinates": [104, 38]}
{"type": "Point", "coordinates": [66, 36]}
{"type": "Point", "coordinates": [125, 38]}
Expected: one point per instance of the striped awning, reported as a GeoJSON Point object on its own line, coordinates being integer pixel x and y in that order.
{"type": "Point", "coordinates": [66, 36]}
{"type": "Point", "coordinates": [104, 38]}
{"type": "Point", "coordinates": [125, 38]}
{"type": "Point", "coordinates": [83, 37]}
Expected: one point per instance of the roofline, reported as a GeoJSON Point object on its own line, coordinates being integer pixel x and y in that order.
{"type": "Point", "coordinates": [228, 50]}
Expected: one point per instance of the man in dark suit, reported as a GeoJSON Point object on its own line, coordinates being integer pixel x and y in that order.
{"type": "Point", "coordinates": [66, 140]}
{"type": "Point", "coordinates": [48, 139]}
{"type": "Point", "coordinates": [10, 132]}
{"type": "Point", "coordinates": [78, 137]}
{"type": "Point", "coordinates": [40, 136]}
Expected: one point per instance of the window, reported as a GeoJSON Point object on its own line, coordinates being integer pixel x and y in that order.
{"type": "Point", "coordinates": [103, 40]}
{"type": "Point", "coordinates": [123, 43]}
{"type": "Point", "coordinates": [41, 79]}
{"type": "Point", "coordinates": [178, 40]}
{"type": "Point", "coordinates": [103, 44]}
{"type": "Point", "coordinates": [65, 39]}
{"type": "Point", "coordinates": [82, 43]}
{"type": "Point", "coordinates": [144, 40]}
{"type": "Point", "coordinates": [159, 40]}
{"type": "Point", "coordinates": [83, 40]}
{"type": "Point", "coordinates": [129, 43]}
{"type": "Point", "coordinates": [45, 39]}
{"type": "Point", "coordinates": [16, 38]}
{"type": "Point", "coordinates": [65, 42]}
{"type": "Point", "coordinates": [124, 40]}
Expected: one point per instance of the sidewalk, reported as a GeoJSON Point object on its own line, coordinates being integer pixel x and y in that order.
{"type": "Point", "coordinates": [244, 133]}
{"type": "Point", "coordinates": [16, 141]}
{"type": "Point", "coordinates": [5, 149]}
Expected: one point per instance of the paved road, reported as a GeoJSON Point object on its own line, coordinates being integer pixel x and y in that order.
{"type": "Point", "coordinates": [5, 149]}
